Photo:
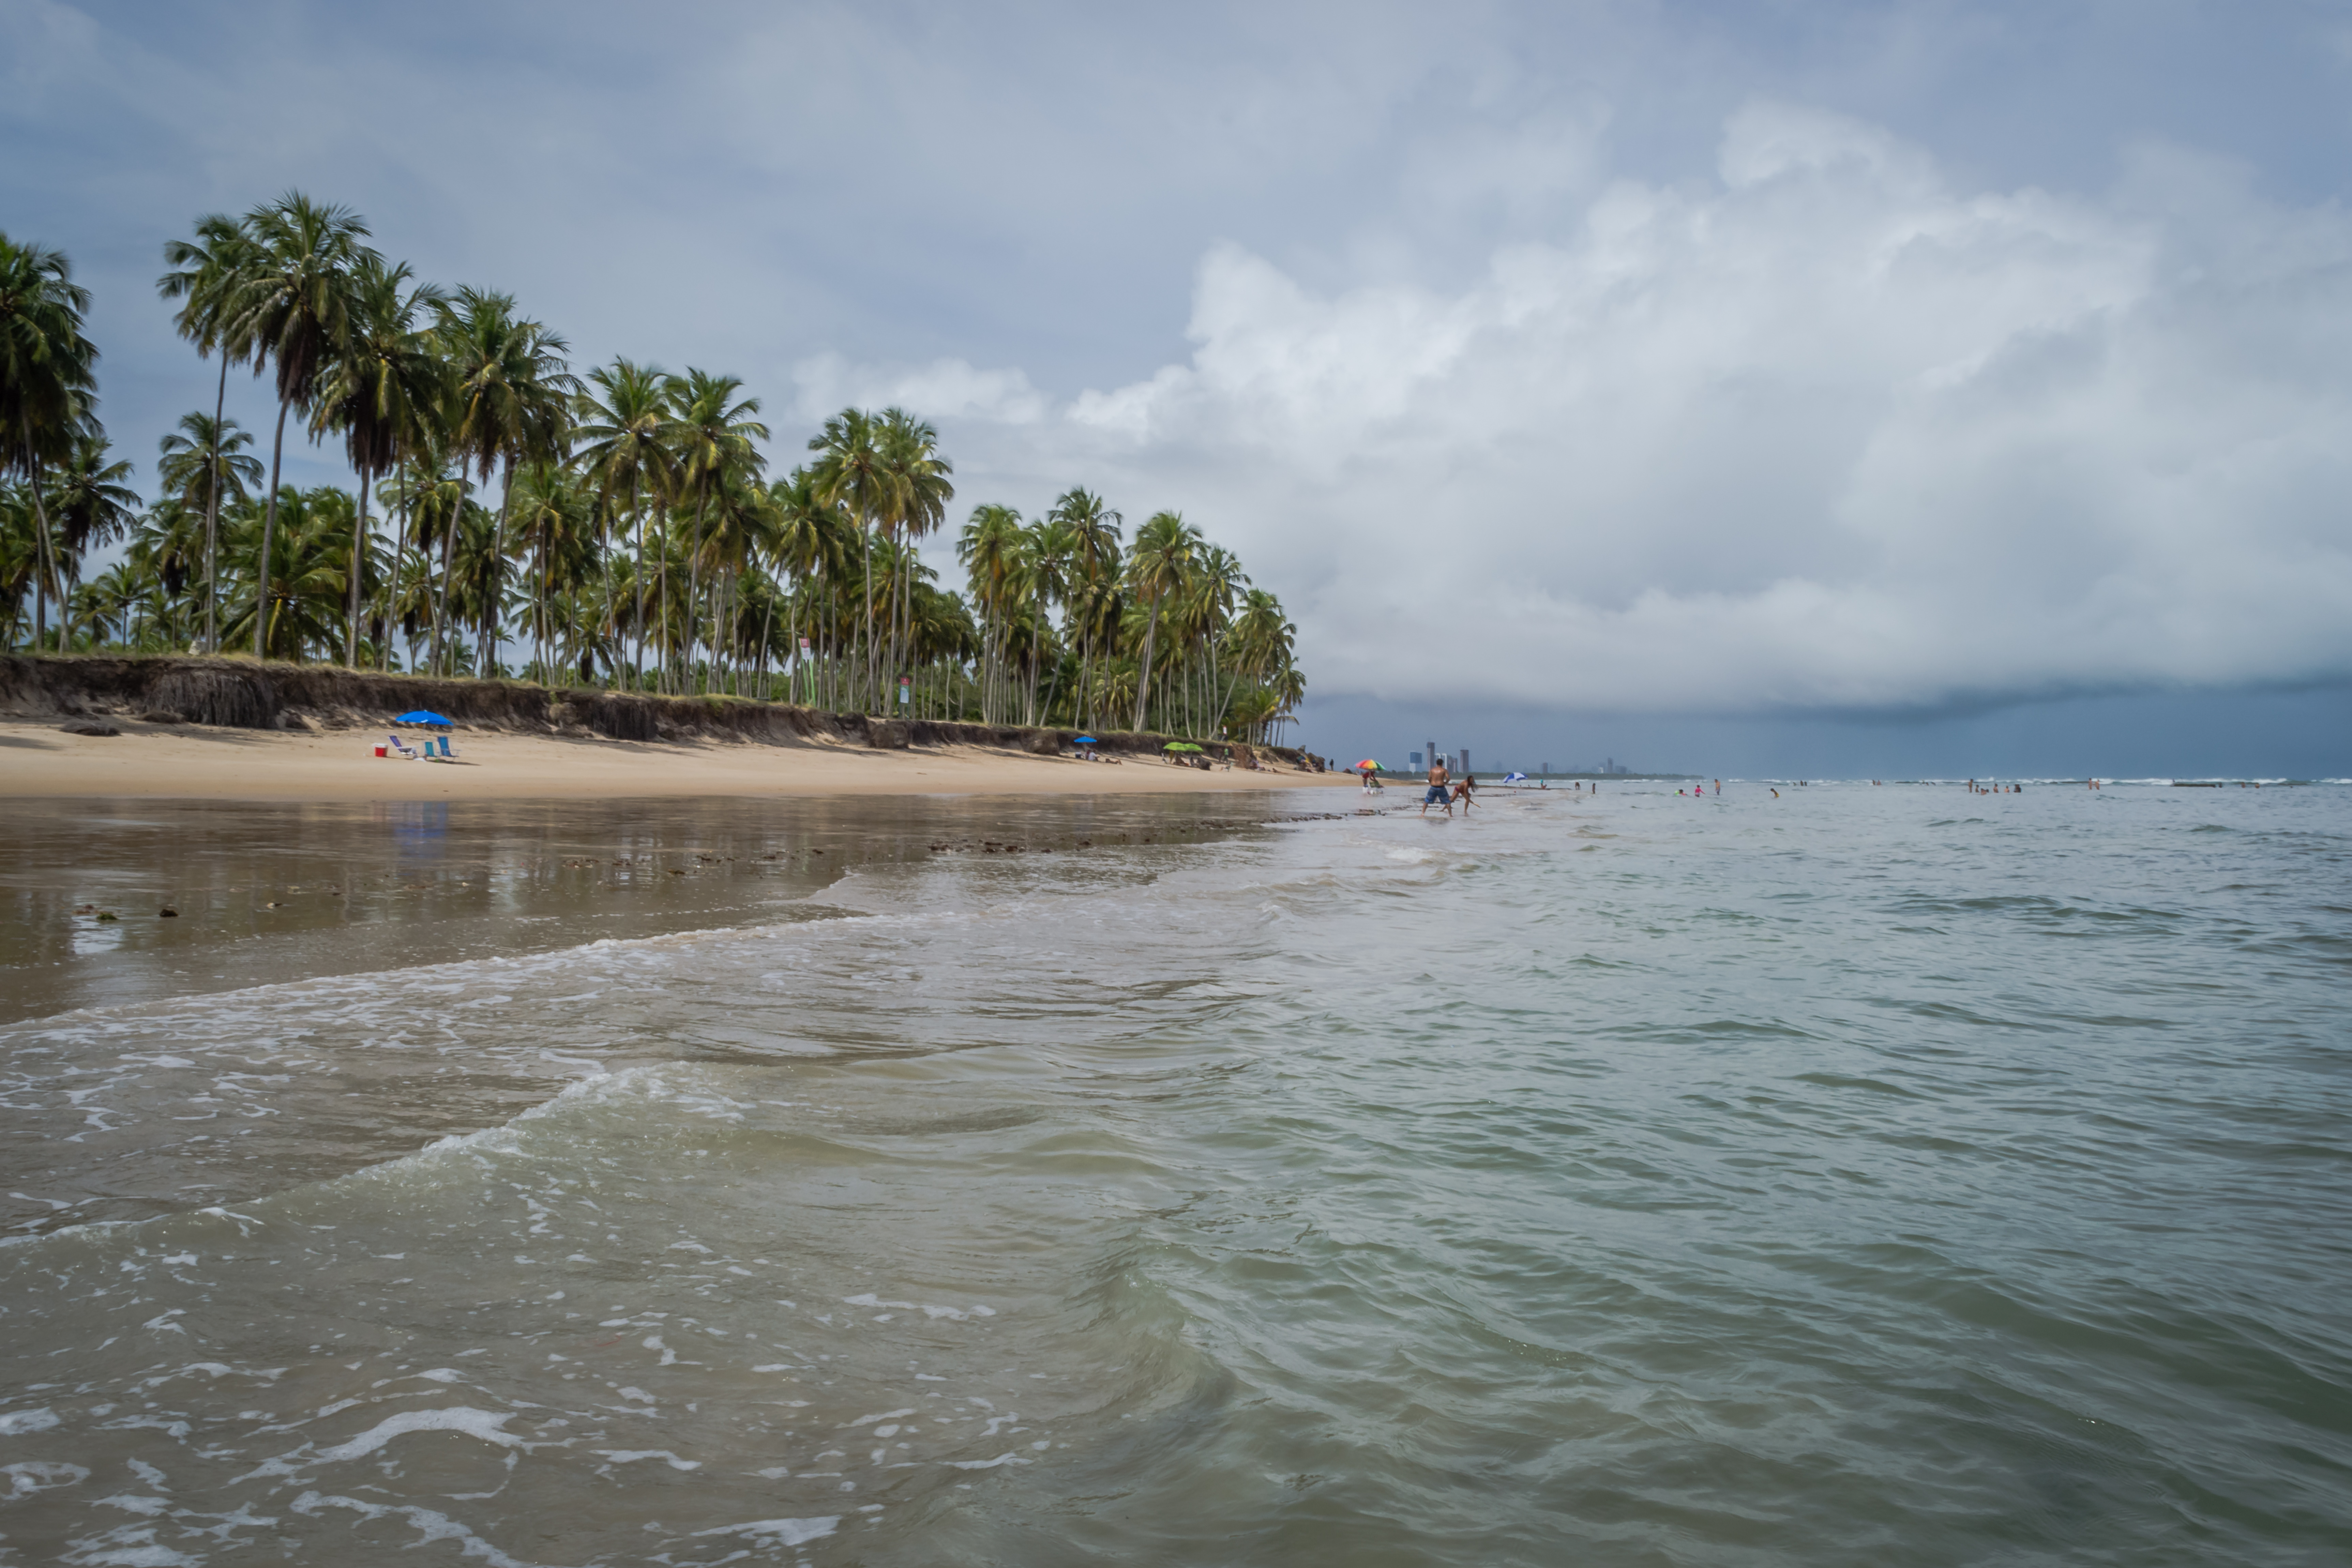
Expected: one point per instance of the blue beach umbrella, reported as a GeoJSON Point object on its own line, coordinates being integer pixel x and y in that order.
{"type": "Point", "coordinates": [422, 716]}
{"type": "Point", "coordinates": [1084, 741]}
{"type": "Point", "coordinates": [1514, 778]}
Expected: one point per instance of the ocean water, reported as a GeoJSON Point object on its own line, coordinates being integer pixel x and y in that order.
{"type": "Point", "coordinates": [1868, 1175]}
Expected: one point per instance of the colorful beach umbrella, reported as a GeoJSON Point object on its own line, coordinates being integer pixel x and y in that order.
{"type": "Point", "coordinates": [1179, 746]}
{"type": "Point", "coordinates": [1368, 762]}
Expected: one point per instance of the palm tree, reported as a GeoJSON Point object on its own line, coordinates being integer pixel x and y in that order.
{"type": "Point", "coordinates": [46, 384]}
{"type": "Point", "coordinates": [713, 436]}
{"type": "Point", "coordinates": [625, 425]}
{"type": "Point", "coordinates": [116, 597]}
{"type": "Point", "coordinates": [89, 502]}
{"type": "Point", "coordinates": [1163, 553]}
{"type": "Point", "coordinates": [208, 269]}
{"type": "Point", "coordinates": [988, 548]}
{"type": "Point", "coordinates": [1095, 540]}
{"type": "Point", "coordinates": [432, 495]}
{"type": "Point", "coordinates": [292, 308]}
{"type": "Point", "coordinates": [808, 545]}
{"type": "Point", "coordinates": [382, 392]}
{"type": "Point", "coordinates": [510, 402]}
{"type": "Point", "coordinates": [555, 523]}
{"type": "Point", "coordinates": [1041, 577]}
{"type": "Point", "coordinates": [203, 465]}
{"type": "Point", "coordinates": [168, 550]}
{"type": "Point", "coordinates": [1216, 577]}
{"type": "Point", "coordinates": [1261, 637]}
{"type": "Point", "coordinates": [915, 500]}
{"type": "Point", "coordinates": [310, 564]}
{"type": "Point", "coordinates": [850, 472]}
{"type": "Point", "coordinates": [1289, 690]}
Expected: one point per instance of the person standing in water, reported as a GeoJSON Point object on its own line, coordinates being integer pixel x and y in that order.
{"type": "Point", "coordinates": [1462, 792]}
{"type": "Point", "coordinates": [1435, 794]}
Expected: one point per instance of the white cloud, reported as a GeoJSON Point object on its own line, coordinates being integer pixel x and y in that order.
{"type": "Point", "coordinates": [1822, 431]}
{"type": "Point", "coordinates": [944, 389]}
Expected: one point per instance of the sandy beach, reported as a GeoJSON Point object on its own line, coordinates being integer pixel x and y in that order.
{"type": "Point", "coordinates": [158, 761]}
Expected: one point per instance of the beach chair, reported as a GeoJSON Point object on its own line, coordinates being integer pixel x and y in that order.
{"type": "Point", "coordinates": [401, 748]}
{"type": "Point", "coordinates": [446, 754]}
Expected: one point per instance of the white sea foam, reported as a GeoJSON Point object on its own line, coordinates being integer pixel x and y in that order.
{"type": "Point", "coordinates": [780, 1532]}
{"type": "Point", "coordinates": [40, 1475]}
{"type": "Point", "coordinates": [483, 1424]}
{"type": "Point", "coordinates": [430, 1525]}
{"type": "Point", "coordinates": [130, 1546]}
{"type": "Point", "coordinates": [631, 1456]}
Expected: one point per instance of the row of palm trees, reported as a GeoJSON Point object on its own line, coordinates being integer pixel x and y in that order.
{"type": "Point", "coordinates": [633, 537]}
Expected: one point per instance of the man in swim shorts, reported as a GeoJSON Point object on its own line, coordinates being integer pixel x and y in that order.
{"type": "Point", "coordinates": [1435, 794]}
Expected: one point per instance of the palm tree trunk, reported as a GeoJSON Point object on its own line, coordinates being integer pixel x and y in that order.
{"type": "Point", "coordinates": [358, 559]}
{"type": "Point", "coordinates": [767, 628]}
{"type": "Point", "coordinates": [1143, 677]}
{"type": "Point", "coordinates": [391, 591]}
{"type": "Point", "coordinates": [638, 660]}
{"type": "Point", "coordinates": [491, 609]}
{"type": "Point", "coordinates": [693, 586]}
{"type": "Point", "coordinates": [212, 512]}
{"type": "Point", "coordinates": [441, 590]}
{"type": "Point", "coordinates": [43, 566]}
{"type": "Point", "coordinates": [865, 592]}
{"type": "Point", "coordinates": [269, 531]}
{"type": "Point", "coordinates": [661, 591]}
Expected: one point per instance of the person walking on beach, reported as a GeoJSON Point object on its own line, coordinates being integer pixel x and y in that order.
{"type": "Point", "coordinates": [1435, 794]}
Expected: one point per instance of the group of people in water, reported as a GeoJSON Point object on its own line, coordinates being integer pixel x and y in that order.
{"type": "Point", "coordinates": [1446, 790]}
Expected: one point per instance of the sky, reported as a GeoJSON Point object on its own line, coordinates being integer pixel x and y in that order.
{"type": "Point", "coordinates": [1853, 389]}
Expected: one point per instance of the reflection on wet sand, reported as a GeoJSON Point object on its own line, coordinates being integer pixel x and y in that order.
{"type": "Point", "coordinates": [264, 892]}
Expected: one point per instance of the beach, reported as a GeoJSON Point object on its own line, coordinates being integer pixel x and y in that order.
{"type": "Point", "coordinates": [156, 761]}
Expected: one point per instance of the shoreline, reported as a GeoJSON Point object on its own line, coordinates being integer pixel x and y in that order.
{"type": "Point", "coordinates": [147, 761]}
{"type": "Point", "coordinates": [115, 901]}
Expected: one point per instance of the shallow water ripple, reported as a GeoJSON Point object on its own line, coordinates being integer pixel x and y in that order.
{"type": "Point", "coordinates": [1877, 1175]}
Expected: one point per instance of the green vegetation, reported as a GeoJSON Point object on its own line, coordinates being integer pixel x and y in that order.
{"type": "Point", "coordinates": [618, 529]}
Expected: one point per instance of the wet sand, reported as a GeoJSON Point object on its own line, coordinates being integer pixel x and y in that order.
{"type": "Point", "coordinates": [265, 892]}
{"type": "Point", "coordinates": [157, 761]}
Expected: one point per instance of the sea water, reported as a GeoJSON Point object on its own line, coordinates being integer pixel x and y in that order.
{"type": "Point", "coordinates": [1869, 1174]}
